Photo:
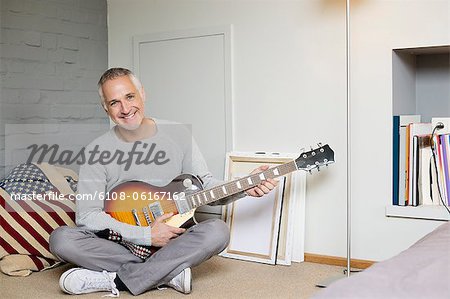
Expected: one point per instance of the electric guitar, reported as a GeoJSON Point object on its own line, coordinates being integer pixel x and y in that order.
{"type": "Point", "coordinates": [139, 203]}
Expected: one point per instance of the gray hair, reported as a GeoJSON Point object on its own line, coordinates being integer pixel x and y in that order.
{"type": "Point", "coordinates": [114, 73]}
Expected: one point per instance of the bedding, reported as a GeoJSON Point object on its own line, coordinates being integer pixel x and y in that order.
{"type": "Point", "coordinates": [421, 271]}
{"type": "Point", "coordinates": [26, 224]}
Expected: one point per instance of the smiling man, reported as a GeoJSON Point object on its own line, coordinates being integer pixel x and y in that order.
{"type": "Point", "coordinates": [113, 266]}
{"type": "Point", "coordinates": [123, 99]}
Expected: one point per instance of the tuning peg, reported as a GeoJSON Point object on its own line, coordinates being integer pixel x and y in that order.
{"type": "Point", "coordinates": [318, 168]}
{"type": "Point", "coordinates": [319, 144]}
{"type": "Point", "coordinates": [302, 150]}
{"type": "Point", "coordinates": [310, 172]}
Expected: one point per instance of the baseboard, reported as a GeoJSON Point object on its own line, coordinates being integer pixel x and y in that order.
{"type": "Point", "coordinates": [337, 261]}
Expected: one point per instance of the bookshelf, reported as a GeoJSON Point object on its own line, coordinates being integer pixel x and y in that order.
{"type": "Point", "coordinates": [420, 86]}
{"type": "Point", "coordinates": [438, 213]}
{"type": "Point", "coordinates": [420, 79]}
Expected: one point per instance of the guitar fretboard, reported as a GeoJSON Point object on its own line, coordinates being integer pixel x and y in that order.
{"type": "Point", "coordinates": [205, 197]}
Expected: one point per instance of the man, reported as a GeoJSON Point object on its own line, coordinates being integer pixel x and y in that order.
{"type": "Point", "coordinates": [110, 266]}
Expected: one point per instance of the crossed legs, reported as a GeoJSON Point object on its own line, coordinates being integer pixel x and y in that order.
{"type": "Point", "coordinates": [85, 249]}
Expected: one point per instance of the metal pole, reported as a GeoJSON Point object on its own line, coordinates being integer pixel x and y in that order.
{"type": "Point", "coordinates": [347, 38]}
{"type": "Point", "coordinates": [328, 281]}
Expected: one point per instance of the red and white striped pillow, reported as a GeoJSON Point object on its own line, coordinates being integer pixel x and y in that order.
{"type": "Point", "coordinates": [26, 225]}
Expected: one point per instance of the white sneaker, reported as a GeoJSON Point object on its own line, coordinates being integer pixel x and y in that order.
{"type": "Point", "coordinates": [182, 282]}
{"type": "Point", "coordinates": [82, 281]}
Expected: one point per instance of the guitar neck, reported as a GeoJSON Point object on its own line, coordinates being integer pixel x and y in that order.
{"type": "Point", "coordinates": [219, 192]}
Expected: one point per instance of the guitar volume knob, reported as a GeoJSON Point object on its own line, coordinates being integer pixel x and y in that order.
{"type": "Point", "coordinates": [187, 183]}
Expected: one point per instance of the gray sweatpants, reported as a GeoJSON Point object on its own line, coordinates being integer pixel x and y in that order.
{"type": "Point", "coordinates": [85, 249]}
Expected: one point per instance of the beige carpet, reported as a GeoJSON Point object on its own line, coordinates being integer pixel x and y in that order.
{"type": "Point", "coordinates": [216, 278]}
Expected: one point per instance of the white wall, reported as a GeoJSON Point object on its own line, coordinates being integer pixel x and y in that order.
{"type": "Point", "coordinates": [433, 85]}
{"type": "Point", "coordinates": [289, 92]}
{"type": "Point", "coordinates": [378, 27]}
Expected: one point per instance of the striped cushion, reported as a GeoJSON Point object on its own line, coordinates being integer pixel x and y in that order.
{"type": "Point", "coordinates": [26, 225]}
{"type": "Point", "coordinates": [24, 265]}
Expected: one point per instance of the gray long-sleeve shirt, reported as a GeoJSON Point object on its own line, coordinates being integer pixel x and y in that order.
{"type": "Point", "coordinates": [177, 149]}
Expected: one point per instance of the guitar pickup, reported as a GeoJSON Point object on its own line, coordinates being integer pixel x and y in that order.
{"type": "Point", "coordinates": [156, 209]}
{"type": "Point", "coordinates": [136, 217]}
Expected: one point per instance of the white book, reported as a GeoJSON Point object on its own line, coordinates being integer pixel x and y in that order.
{"type": "Point", "coordinates": [414, 130]}
{"type": "Point", "coordinates": [424, 173]}
{"type": "Point", "coordinates": [405, 120]}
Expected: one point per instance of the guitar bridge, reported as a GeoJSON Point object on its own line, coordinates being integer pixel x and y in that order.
{"type": "Point", "coordinates": [147, 215]}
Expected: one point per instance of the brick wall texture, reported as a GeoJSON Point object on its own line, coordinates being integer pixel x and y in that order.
{"type": "Point", "coordinates": [52, 53]}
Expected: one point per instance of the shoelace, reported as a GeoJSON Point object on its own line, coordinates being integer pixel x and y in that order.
{"type": "Point", "coordinates": [100, 283]}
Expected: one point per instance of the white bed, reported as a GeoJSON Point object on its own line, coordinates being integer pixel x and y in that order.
{"type": "Point", "coordinates": [421, 271]}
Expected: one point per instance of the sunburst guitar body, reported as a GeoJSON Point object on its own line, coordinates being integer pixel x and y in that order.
{"type": "Point", "coordinates": [139, 203]}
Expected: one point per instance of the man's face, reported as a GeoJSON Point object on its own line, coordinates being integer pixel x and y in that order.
{"type": "Point", "coordinates": [124, 103]}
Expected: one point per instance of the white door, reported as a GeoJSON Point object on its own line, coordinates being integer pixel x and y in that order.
{"type": "Point", "coordinates": [186, 76]}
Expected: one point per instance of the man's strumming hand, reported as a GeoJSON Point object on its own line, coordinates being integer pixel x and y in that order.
{"type": "Point", "coordinates": [162, 233]}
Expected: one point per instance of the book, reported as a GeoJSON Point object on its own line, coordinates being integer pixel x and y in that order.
{"type": "Point", "coordinates": [407, 141]}
{"type": "Point", "coordinates": [423, 193]}
{"type": "Point", "coordinates": [395, 158]}
{"type": "Point", "coordinates": [414, 130]}
{"type": "Point", "coordinates": [440, 179]}
{"type": "Point", "coordinates": [446, 160]}
{"type": "Point", "coordinates": [414, 170]}
{"type": "Point", "coordinates": [400, 123]}
{"type": "Point", "coordinates": [434, 191]}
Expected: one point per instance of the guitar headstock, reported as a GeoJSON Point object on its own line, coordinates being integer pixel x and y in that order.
{"type": "Point", "coordinates": [315, 158]}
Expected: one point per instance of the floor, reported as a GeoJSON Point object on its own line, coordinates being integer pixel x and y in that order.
{"type": "Point", "coordinates": [217, 278]}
